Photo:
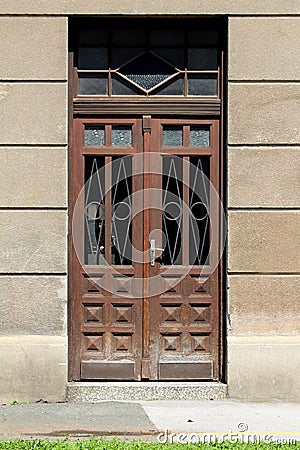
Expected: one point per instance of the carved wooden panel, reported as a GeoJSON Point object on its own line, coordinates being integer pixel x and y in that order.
{"type": "Point", "coordinates": [186, 330]}
{"type": "Point", "coordinates": [111, 331]}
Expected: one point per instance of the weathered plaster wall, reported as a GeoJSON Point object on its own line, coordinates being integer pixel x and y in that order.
{"type": "Point", "coordinates": [264, 201]}
{"type": "Point", "coordinates": [33, 215]}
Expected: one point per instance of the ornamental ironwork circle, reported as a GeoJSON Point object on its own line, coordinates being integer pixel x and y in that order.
{"type": "Point", "coordinates": [206, 207]}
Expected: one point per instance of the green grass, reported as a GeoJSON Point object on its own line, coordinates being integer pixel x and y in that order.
{"type": "Point", "coordinates": [114, 444]}
{"type": "Point", "coordinates": [16, 402]}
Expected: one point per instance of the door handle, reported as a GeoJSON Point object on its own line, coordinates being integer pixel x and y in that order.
{"type": "Point", "coordinates": [153, 249]}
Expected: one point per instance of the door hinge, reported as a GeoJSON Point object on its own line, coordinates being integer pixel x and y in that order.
{"type": "Point", "coordinates": [146, 124]}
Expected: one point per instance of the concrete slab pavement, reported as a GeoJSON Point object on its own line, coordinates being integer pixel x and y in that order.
{"type": "Point", "coordinates": [225, 419]}
{"type": "Point", "coordinates": [174, 420]}
{"type": "Point", "coordinates": [66, 419]}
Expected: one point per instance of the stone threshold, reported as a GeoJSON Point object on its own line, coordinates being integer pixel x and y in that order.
{"type": "Point", "coordinates": [94, 392]}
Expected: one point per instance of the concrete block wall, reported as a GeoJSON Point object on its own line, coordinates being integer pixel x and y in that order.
{"type": "Point", "coordinates": [263, 185]}
{"type": "Point", "coordinates": [264, 201]}
{"type": "Point", "coordinates": [33, 208]}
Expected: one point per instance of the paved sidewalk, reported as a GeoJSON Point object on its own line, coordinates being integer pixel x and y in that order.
{"type": "Point", "coordinates": [154, 420]}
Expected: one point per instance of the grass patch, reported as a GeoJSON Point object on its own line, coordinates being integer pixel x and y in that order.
{"type": "Point", "coordinates": [116, 444]}
{"type": "Point", "coordinates": [15, 402]}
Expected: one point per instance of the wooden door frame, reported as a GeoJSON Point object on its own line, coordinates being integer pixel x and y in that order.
{"type": "Point", "coordinates": [75, 271]}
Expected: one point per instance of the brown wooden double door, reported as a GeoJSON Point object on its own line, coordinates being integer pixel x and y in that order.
{"type": "Point", "coordinates": [144, 279]}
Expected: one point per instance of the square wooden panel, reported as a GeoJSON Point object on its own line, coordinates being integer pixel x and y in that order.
{"type": "Point", "coordinates": [171, 284]}
{"type": "Point", "coordinates": [122, 314]}
{"type": "Point", "coordinates": [200, 343]}
{"type": "Point", "coordinates": [121, 284]}
{"type": "Point", "coordinates": [170, 313]}
{"type": "Point", "coordinates": [170, 342]}
{"type": "Point", "coordinates": [200, 286]}
{"type": "Point", "coordinates": [122, 343]}
{"type": "Point", "coordinates": [200, 314]}
{"type": "Point", "coordinates": [93, 314]}
{"type": "Point", "coordinates": [92, 285]}
{"type": "Point", "coordinates": [93, 342]}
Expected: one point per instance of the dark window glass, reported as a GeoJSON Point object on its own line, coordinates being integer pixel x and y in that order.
{"type": "Point", "coordinates": [204, 37]}
{"type": "Point", "coordinates": [92, 58]}
{"type": "Point", "coordinates": [147, 70]}
{"type": "Point", "coordinates": [167, 37]}
{"type": "Point", "coordinates": [173, 87]}
{"type": "Point", "coordinates": [199, 210]}
{"type": "Point", "coordinates": [129, 38]}
{"type": "Point", "coordinates": [120, 56]}
{"type": "Point", "coordinates": [174, 56]}
{"type": "Point", "coordinates": [121, 136]}
{"type": "Point", "coordinates": [172, 211]}
{"type": "Point", "coordinates": [202, 59]}
{"type": "Point", "coordinates": [172, 136]}
{"type": "Point", "coordinates": [123, 87]}
{"type": "Point", "coordinates": [92, 84]}
{"type": "Point", "coordinates": [199, 136]}
{"type": "Point", "coordinates": [93, 37]}
{"type": "Point", "coordinates": [94, 136]}
{"type": "Point", "coordinates": [146, 59]}
{"type": "Point", "coordinates": [94, 211]}
{"type": "Point", "coordinates": [202, 84]}
{"type": "Point", "coordinates": [121, 211]}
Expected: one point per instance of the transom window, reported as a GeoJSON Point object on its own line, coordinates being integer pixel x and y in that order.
{"type": "Point", "coordinates": [147, 60]}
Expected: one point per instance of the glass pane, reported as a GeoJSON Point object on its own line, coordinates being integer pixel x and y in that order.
{"type": "Point", "coordinates": [174, 56]}
{"type": "Point", "coordinates": [197, 37]}
{"type": "Point", "coordinates": [92, 84]}
{"type": "Point", "coordinates": [199, 240]}
{"type": "Point", "coordinates": [120, 56]}
{"type": "Point", "coordinates": [172, 136]}
{"type": "Point", "coordinates": [172, 211]}
{"type": "Point", "coordinates": [92, 58]}
{"type": "Point", "coordinates": [167, 37]}
{"type": "Point", "coordinates": [173, 87]}
{"type": "Point", "coordinates": [147, 70]}
{"type": "Point", "coordinates": [94, 136]}
{"type": "Point", "coordinates": [93, 37]}
{"type": "Point", "coordinates": [122, 211]}
{"type": "Point", "coordinates": [129, 38]}
{"type": "Point", "coordinates": [199, 136]}
{"type": "Point", "coordinates": [121, 136]}
{"type": "Point", "coordinates": [94, 211]}
{"type": "Point", "coordinates": [202, 84]}
{"type": "Point", "coordinates": [202, 59]}
{"type": "Point", "coordinates": [123, 87]}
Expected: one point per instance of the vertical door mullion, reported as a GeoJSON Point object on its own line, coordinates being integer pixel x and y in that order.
{"type": "Point", "coordinates": [146, 271]}
{"type": "Point", "coordinates": [214, 201]}
{"type": "Point", "coordinates": [76, 273]}
{"type": "Point", "coordinates": [108, 208]}
{"type": "Point", "coordinates": [153, 165]}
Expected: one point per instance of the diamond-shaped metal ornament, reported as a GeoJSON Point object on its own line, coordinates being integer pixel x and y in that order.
{"type": "Point", "coordinates": [147, 70]}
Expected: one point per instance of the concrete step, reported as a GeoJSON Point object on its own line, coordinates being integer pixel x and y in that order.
{"type": "Point", "coordinates": [94, 392]}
